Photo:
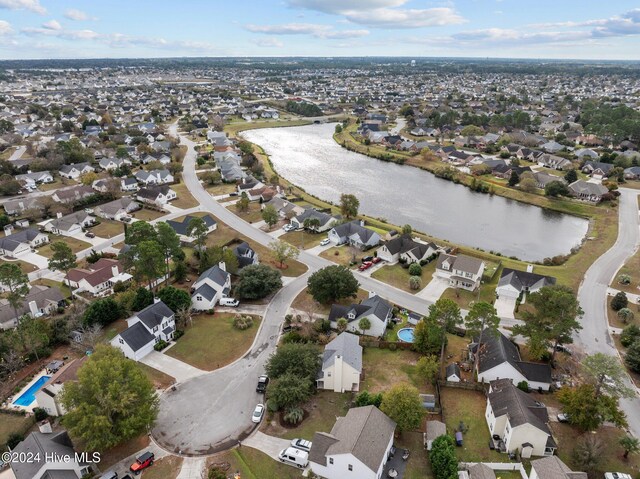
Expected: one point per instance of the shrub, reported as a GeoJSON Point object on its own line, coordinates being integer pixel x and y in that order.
{"type": "Point", "coordinates": [625, 315]}
{"type": "Point", "coordinates": [629, 335]}
{"type": "Point", "coordinates": [415, 282]}
{"type": "Point", "coordinates": [119, 287]}
{"type": "Point", "coordinates": [217, 473]}
{"type": "Point", "coordinates": [624, 279]}
{"type": "Point", "coordinates": [619, 301]}
{"type": "Point", "coordinates": [178, 334]}
{"type": "Point", "coordinates": [242, 322]}
{"type": "Point", "coordinates": [415, 269]}
{"type": "Point", "coordinates": [160, 345]}
{"type": "Point", "coordinates": [293, 337]}
{"type": "Point", "coordinates": [40, 414]}
{"type": "Point", "coordinates": [294, 415]}
{"type": "Point", "coordinates": [523, 386]}
{"type": "Point", "coordinates": [393, 346]}
{"type": "Point", "coordinates": [15, 438]}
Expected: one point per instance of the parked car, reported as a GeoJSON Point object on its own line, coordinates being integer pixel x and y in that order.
{"type": "Point", "coordinates": [258, 412]}
{"type": "Point", "coordinates": [616, 475]}
{"type": "Point", "coordinates": [142, 462]}
{"type": "Point", "coordinates": [367, 259]}
{"type": "Point", "coordinates": [233, 193]}
{"type": "Point", "coordinates": [562, 417]}
{"type": "Point", "coordinates": [89, 234]}
{"type": "Point", "coordinates": [288, 227]}
{"type": "Point", "coordinates": [232, 302]}
{"type": "Point", "coordinates": [295, 457]}
{"type": "Point", "coordinates": [263, 381]}
{"type": "Point", "coordinates": [324, 242]}
{"type": "Point", "coordinates": [111, 475]}
{"type": "Point", "coordinates": [376, 260]}
{"type": "Point", "coordinates": [301, 444]}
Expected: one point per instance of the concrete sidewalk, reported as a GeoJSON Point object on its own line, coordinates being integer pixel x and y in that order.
{"type": "Point", "coordinates": [180, 370]}
{"type": "Point", "coordinates": [433, 290]}
{"type": "Point", "coordinates": [270, 445]}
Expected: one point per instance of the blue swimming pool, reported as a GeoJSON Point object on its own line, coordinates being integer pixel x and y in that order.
{"type": "Point", "coordinates": [405, 335]}
{"type": "Point", "coordinates": [27, 397]}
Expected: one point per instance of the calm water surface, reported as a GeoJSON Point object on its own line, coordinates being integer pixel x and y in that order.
{"type": "Point", "coordinates": [309, 157]}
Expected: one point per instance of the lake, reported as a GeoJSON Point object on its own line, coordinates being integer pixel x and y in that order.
{"type": "Point", "coordinates": [309, 157]}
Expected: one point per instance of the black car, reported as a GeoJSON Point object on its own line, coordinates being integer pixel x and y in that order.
{"type": "Point", "coordinates": [367, 258]}
{"type": "Point", "coordinates": [263, 381]}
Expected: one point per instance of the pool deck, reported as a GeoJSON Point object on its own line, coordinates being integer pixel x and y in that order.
{"type": "Point", "coordinates": [34, 404]}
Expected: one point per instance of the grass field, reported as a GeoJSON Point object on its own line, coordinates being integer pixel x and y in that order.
{"type": "Point", "coordinates": [212, 342]}
{"type": "Point", "coordinates": [159, 379]}
{"type": "Point", "coordinates": [252, 215]}
{"type": "Point", "coordinates": [305, 302]}
{"type": "Point", "coordinates": [109, 228]}
{"type": "Point", "coordinates": [10, 423]}
{"type": "Point", "coordinates": [344, 255]}
{"type": "Point", "coordinates": [185, 200]}
{"type": "Point", "coordinates": [631, 268]}
{"type": "Point", "coordinates": [24, 266]}
{"type": "Point", "coordinates": [74, 243]}
{"type": "Point", "coordinates": [167, 467]}
{"type": "Point", "coordinates": [147, 214]}
{"type": "Point", "coordinates": [384, 368]}
{"type": "Point", "coordinates": [300, 238]}
{"type": "Point", "coordinates": [398, 277]}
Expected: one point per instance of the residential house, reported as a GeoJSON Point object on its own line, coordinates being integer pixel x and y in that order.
{"type": "Point", "coordinates": [586, 153]}
{"type": "Point", "coordinates": [341, 364]}
{"type": "Point", "coordinates": [554, 162]}
{"type": "Point", "coordinates": [117, 209]}
{"type": "Point", "coordinates": [30, 180]}
{"type": "Point", "coordinates": [70, 225]}
{"type": "Point", "coordinates": [52, 457]}
{"type": "Point", "coordinates": [325, 220]}
{"type": "Point", "coordinates": [285, 208]}
{"type": "Point", "coordinates": [552, 467]}
{"type": "Point", "coordinates": [358, 445]}
{"type": "Point", "coordinates": [354, 233]}
{"type": "Point", "coordinates": [218, 138]}
{"type": "Point", "coordinates": [48, 398]}
{"type": "Point", "coordinates": [160, 157]}
{"type": "Point", "coordinates": [500, 358]}
{"type": "Point", "coordinates": [156, 195]}
{"type": "Point", "coordinates": [213, 284]}
{"type": "Point", "coordinates": [98, 277]}
{"type": "Point", "coordinates": [376, 309]}
{"type": "Point", "coordinates": [552, 147]}
{"type": "Point", "coordinates": [129, 184]}
{"type": "Point", "coordinates": [74, 171]}
{"type": "Point", "coordinates": [631, 173]}
{"type": "Point", "coordinates": [73, 194]}
{"type": "Point", "coordinates": [154, 177]}
{"type": "Point", "coordinates": [435, 429]}
{"type": "Point", "coordinates": [16, 207]}
{"type": "Point", "coordinates": [514, 283]}
{"type": "Point", "coordinates": [110, 164]}
{"type": "Point", "coordinates": [153, 324]}
{"type": "Point", "coordinates": [21, 242]}
{"type": "Point", "coordinates": [452, 373]}
{"type": "Point", "coordinates": [406, 248]}
{"type": "Point", "coordinates": [597, 169]}
{"type": "Point", "coordinates": [461, 271]}
{"type": "Point", "coordinates": [39, 301]}
{"type": "Point", "coordinates": [543, 179]}
{"type": "Point", "coordinates": [585, 190]}
{"type": "Point", "coordinates": [520, 421]}
{"type": "Point", "coordinates": [245, 254]}
{"type": "Point", "coordinates": [181, 227]}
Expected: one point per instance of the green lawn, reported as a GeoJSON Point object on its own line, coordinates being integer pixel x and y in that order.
{"type": "Point", "coordinates": [253, 464]}
{"type": "Point", "coordinates": [147, 214]}
{"type": "Point", "coordinates": [252, 215]}
{"type": "Point", "coordinates": [109, 228]}
{"type": "Point", "coordinates": [384, 368]}
{"type": "Point", "coordinates": [185, 200]}
{"type": "Point", "coordinates": [398, 277]}
{"type": "Point", "coordinates": [212, 342]}
{"type": "Point", "coordinates": [74, 243]}
{"type": "Point", "coordinates": [164, 468]}
{"type": "Point", "coordinates": [300, 238]}
{"type": "Point", "coordinates": [344, 255]}
{"type": "Point", "coordinates": [305, 302]}
{"type": "Point", "coordinates": [418, 466]}
{"type": "Point", "coordinates": [469, 407]}
{"type": "Point", "coordinates": [465, 299]}
{"type": "Point", "coordinates": [632, 268]}
{"type": "Point", "coordinates": [64, 289]}
{"type": "Point", "coordinates": [10, 423]}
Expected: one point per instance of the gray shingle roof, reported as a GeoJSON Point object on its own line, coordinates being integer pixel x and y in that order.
{"type": "Point", "coordinates": [38, 445]}
{"type": "Point", "coordinates": [153, 314]}
{"type": "Point", "coordinates": [137, 336]}
{"type": "Point", "coordinates": [520, 407]}
{"type": "Point", "coordinates": [522, 280]}
{"type": "Point", "coordinates": [346, 345]}
{"type": "Point", "coordinates": [13, 241]}
{"type": "Point", "coordinates": [215, 274]}
{"type": "Point", "coordinates": [180, 227]}
{"type": "Point", "coordinates": [552, 467]}
{"type": "Point", "coordinates": [374, 305]}
{"type": "Point", "coordinates": [206, 291]}
{"type": "Point", "coordinates": [435, 429]}
{"type": "Point", "coordinates": [481, 471]}
{"type": "Point", "coordinates": [354, 228]}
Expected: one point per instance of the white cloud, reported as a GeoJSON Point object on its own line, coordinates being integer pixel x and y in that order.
{"type": "Point", "coordinates": [31, 5]}
{"type": "Point", "coordinates": [383, 13]}
{"type": "Point", "coordinates": [501, 35]}
{"type": "Point", "coordinates": [77, 15]}
{"type": "Point", "coordinates": [5, 28]}
{"type": "Point", "coordinates": [52, 25]}
{"type": "Point", "coordinates": [268, 43]}
{"type": "Point", "coordinates": [315, 30]}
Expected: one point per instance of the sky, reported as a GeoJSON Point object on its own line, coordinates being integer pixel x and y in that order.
{"type": "Point", "coordinates": [577, 29]}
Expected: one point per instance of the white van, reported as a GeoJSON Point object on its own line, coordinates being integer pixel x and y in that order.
{"type": "Point", "coordinates": [294, 456]}
{"type": "Point", "coordinates": [233, 302]}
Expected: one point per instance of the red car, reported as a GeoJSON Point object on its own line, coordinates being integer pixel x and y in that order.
{"type": "Point", "coordinates": [376, 260]}
{"type": "Point", "coordinates": [142, 462]}
{"type": "Point", "coordinates": [365, 265]}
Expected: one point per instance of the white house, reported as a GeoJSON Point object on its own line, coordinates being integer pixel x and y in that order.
{"type": "Point", "coordinates": [325, 220]}
{"type": "Point", "coordinates": [156, 195]}
{"type": "Point", "coordinates": [70, 225]}
{"type": "Point", "coordinates": [404, 247]}
{"type": "Point", "coordinates": [97, 277]}
{"type": "Point", "coordinates": [117, 209]}
{"type": "Point", "coordinates": [111, 164]}
{"type": "Point", "coordinates": [461, 271]}
{"type": "Point", "coordinates": [129, 184]}
{"type": "Point", "coordinates": [213, 284]}
{"type": "Point", "coordinates": [376, 309]}
{"type": "Point", "coordinates": [181, 226]}
{"type": "Point", "coordinates": [519, 420]}
{"type": "Point", "coordinates": [21, 242]}
{"type": "Point", "coordinates": [74, 171]}
{"type": "Point", "coordinates": [154, 177]}
{"type": "Point", "coordinates": [500, 358]}
{"type": "Point", "coordinates": [30, 180]}
{"type": "Point", "coordinates": [358, 445]}
{"type": "Point", "coordinates": [48, 398]}
{"type": "Point", "coordinates": [246, 255]}
{"type": "Point", "coordinates": [513, 283]}
{"type": "Point", "coordinates": [154, 323]}
{"type": "Point", "coordinates": [552, 467]}
{"type": "Point", "coordinates": [355, 234]}
{"type": "Point", "coordinates": [341, 364]}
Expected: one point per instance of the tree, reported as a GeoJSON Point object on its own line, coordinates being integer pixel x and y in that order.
{"type": "Point", "coordinates": [289, 390]}
{"type": "Point", "coordinates": [415, 282]}
{"type": "Point", "coordinates": [332, 283]}
{"type": "Point", "coordinates": [482, 318]}
{"type": "Point", "coordinates": [588, 452]}
{"type": "Point", "coordinates": [219, 254]}
{"type": "Point", "coordinates": [211, 177]}
{"type": "Point", "coordinates": [630, 444]}
{"type": "Point", "coordinates": [446, 314]}
{"type": "Point", "coordinates": [63, 259]}
{"type": "Point", "coordinates": [629, 335]}
{"type": "Point", "coordinates": [624, 279]}
{"type": "Point", "coordinates": [17, 284]}
{"type": "Point", "coordinates": [349, 205]}
{"type": "Point", "coordinates": [148, 261]}
{"type": "Point", "coordinates": [35, 333]}
{"type": "Point", "coordinates": [632, 358]}
{"type": "Point", "coordinates": [311, 224]}
{"type": "Point", "coordinates": [341, 324]}
{"type": "Point", "coordinates": [626, 315]}
{"type": "Point", "coordinates": [169, 244]}
{"type": "Point", "coordinates": [588, 410]}
{"type": "Point", "coordinates": [338, 129]}
{"type": "Point", "coordinates": [428, 367]}
{"type": "Point", "coordinates": [184, 317]}
{"type": "Point", "coordinates": [403, 405]}
{"type": "Point", "coordinates": [407, 230]}
{"type": "Point", "coordinates": [528, 185]}
{"type": "Point", "coordinates": [142, 299]}
{"type": "Point", "coordinates": [472, 130]}
{"type": "Point", "coordinates": [514, 179]}
{"type": "Point", "coordinates": [365, 398]}
{"type": "Point", "coordinates": [138, 232]}
{"type": "Point", "coordinates": [180, 271]}
{"type": "Point", "coordinates": [415, 269]}
{"type": "Point", "coordinates": [257, 281]}
{"type": "Point", "coordinates": [607, 375]}
{"type": "Point", "coordinates": [619, 301]}
{"type": "Point", "coordinates": [364, 324]}
{"type": "Point", "coordinates": [176, 299]}
{"type": "Point", "coordinates": [197, 229]}
{"type": "Point", "coordinates": [442, 456]}
{"type": "Point", "coordinates": [299, 359]}
{"type": "Point", "coordinates": [571, 176]}
{"type": "Point", "coordinates": [102, 312]}
{"type": "Point", "coordinates": [90, 337]}
{"type": "Point", "coordinates": [283, 251]}
{"type": "Point", "coordinates": [270, 215]}
{"type": "Point", "coordinates": [556, 188]}
{"type": "Point", "coordinates": [553, 321]}
{"type": "Point", "coordinates": [427, 337]}
{"type": "Point", "coordinates": [112, 400]}
{"type": "Point", "coordinates": [243, 203]}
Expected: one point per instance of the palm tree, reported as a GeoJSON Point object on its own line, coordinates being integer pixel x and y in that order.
{"type": "Point", "coordinates": [630, 444]}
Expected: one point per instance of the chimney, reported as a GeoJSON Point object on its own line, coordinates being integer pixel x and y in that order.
{"type": "Point", "coordinates": [59, 214]}
{"type": "Point", "coordinates": [33, 308]}
{"type": "Point", "coordinates": [529, 268]}
{"type": "Point", "coordinates": [222, 266]}
{"type": "Point", "coordinates": [156, 300]}
{"type": "Point", "coordinates": [114, 270]}
{"type": "Point", "coordinates": [45, 427]}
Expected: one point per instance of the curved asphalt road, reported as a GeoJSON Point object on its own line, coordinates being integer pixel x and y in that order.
{"type": "Point", "coordinates": [594, 337]}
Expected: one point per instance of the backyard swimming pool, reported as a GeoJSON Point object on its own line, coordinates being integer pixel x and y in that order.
{"type": "Point", "coordinates": [405, 335]}
{"type": "Point", "coordinates": [26, 398]}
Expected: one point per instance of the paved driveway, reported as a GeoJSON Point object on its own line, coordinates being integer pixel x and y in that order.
{"type": "Point", "coordinates": [171, 366]}
{"type": "Point", "coordinates": [192, 468]}
{"type": "Point", "coordinates": [270, 445]}
{"type": "Point", "coordinates": [505, 307]}
{"type": "Point", "coordinates": [433, 290]}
